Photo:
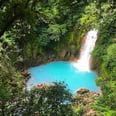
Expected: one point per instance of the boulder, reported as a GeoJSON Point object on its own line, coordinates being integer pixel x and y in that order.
{"type": "Point", "coordinates": [63, 53]}
{"type": "Point", "coordinates": [82, 91]}
{"type": "Point", "coordinates": [72, 49]}
{"type": "Point", "coordinates": [25, 73]}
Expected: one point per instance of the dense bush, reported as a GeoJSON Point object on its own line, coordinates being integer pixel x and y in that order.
{"type": "Point", "coordinates": [32, 27]}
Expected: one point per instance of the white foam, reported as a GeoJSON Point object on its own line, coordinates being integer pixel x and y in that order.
{"type": "Point", "coordinates": [83, 63]}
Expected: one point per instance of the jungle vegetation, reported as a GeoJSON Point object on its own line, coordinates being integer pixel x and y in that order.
{"type": "Point", "coordinates": [32, 27]}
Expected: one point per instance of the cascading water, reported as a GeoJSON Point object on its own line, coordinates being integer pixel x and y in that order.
{"type": "Point", "coordinates": [66, 72]}
{"type": "Point", "coordinates": [83, 63]}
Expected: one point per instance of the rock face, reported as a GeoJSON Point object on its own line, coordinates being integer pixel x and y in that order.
{"type": "Point", "coordinates": [25, 73]}
{"type": "Point", "coordinates": [85, 99]}
{"type": "Point", "coordinates": [65, 54]}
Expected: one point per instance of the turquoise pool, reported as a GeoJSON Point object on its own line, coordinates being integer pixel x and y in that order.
{"type": "Point", "coordinates": [63, 71]}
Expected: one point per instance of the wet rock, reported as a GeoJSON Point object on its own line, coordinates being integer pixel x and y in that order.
{"type": "Point", "coordinates": [91, 112]}
{"type": "Point", "coordinates": [63, 53]}
{"type": "Point", "coordinates": [25, 73]}
{"type": "Point", "coordinates": [86, 99]}
{"type": "Point", "coordinates": [82, 91]}
{"type": "Point", "coordinates": [72, 49]}
{"type": "Point", "coordinates": [42, 85]}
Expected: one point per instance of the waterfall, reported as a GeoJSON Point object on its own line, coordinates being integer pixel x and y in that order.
{"type": "Point", "coordinates": [83, 63]}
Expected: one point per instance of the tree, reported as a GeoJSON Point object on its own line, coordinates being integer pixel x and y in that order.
{"type": "Point", "coordinates": [45, 100]}
{"type": "Point", "coordinates": [105, 56]}
{"type": "Point", "coordinates": [11, 81]}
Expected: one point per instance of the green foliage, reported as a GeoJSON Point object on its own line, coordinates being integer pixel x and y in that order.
{"type": "Point", "coordinates": [106, 32]}
{"type": "Point", "coordinates": [31, 27]}
{"type": "Point", "coordinates": [56, 31]}
{"type": "Point", "coordinates": [49, 100]}
{"type": "Point", "coordinates": [105, 55]}
{"type": "Point", "coordinates": [109, 60]}
{"type": "Point", "coordinates": [89, 18]}
{"type": "Point", "coordinates": [11, 81]}
{"type": "Point", "coordinates": [41, 24]}
{"type": "Point", "coordinates": [79, 111]}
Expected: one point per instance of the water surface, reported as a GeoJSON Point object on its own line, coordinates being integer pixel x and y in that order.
{"type": "Point", "coordinates": [63, 71]}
